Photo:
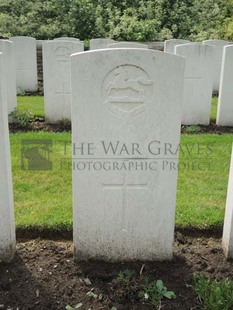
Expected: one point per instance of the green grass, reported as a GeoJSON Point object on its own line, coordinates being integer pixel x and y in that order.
{"type": "Point", "coordinates": [214, 294]}
{"type": "Point", "coordinates": [35, 104]}
{"type": "Point", "coordinates": [214, 107]}
{"type": "Point", "coordinates": [44, 198]}
{"type": "Point", "coordinates": [202, 181]}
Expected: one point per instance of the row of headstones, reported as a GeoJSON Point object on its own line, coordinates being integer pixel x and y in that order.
{"type": "Point", "coordinates": [220, 69]}
{"type": "Point", "coordinates": [202, 76]}
{"type": "Point", "coordinates": [124, 206]}
{"type": "Point", "coordinates": [203, 66]}
{"type": "Point", "coordinates": [20, 66]}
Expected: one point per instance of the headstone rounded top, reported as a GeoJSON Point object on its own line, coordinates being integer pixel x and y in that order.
{"type": "Point", "coordinates": [22, 38]}
{"type": "Point", "coordinates": [6, 42]}
{"type": "Point", "coordinates": [193, 46]}
{"type": "Point", "coordinates": [100, 43]}
{"type": "Point", "coordinates": [64, 47]}
{"type": "Point", "coordinates": [66, 39]}
{"type": "Point", "coordinates": [169, 45]}
{"type": "Point", "coordinates": [127, 45]}
{"type": "Point", "coordinates": [216, 43]}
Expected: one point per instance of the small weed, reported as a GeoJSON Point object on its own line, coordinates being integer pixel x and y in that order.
{"type": "Point", "coordinates": [64, 124]}
{"type": "Point", "coordinates": [214, 294]}
{"type": "Point", "coordinates": [68, 307]}
{"type": "Point", "coordinates": [155, 291]}
{"type": "Point", "coordinates": [128, 287]}
{"type": "Point", "coordinates": [21, 92]}
{"type": "Point", "coordinates": [91, 294]}
{"type": "Point", "coordinates": [124, 287]}
{"type": "Point", "coordinates": [21, 118]}
{"type": "Point", "coordinates": [193, 129]}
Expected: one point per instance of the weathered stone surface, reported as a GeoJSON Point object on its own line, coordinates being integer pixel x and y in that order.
{"type": "Point", "coordinates": [26, 63]}
{"type": "Point", "coordinates": [218, 52]}
{"type": "Point", "coordinates": [7, 231]}
{"type": "Point", "coordinates": [169, 45]}
{"type": "Point", "coordinates": [127, 45]}
{"type": "Point", "coordinates": [57, 92]}
{"type": "Point", "coordinates": [96, 44]}
{"type": "Point", "coordinates": [126, 104]}
{"type": "Point", "coordinates": [225, 98]}
{"type": "Point", "coordinates": [8, 51]}
{"type": "Point", "coordinates": [227, 239]}
{"type": "Point", "coordinates": [198, 83]}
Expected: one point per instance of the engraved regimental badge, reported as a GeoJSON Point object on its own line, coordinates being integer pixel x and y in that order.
{"type": "Point", "coordinates": [127, 90]}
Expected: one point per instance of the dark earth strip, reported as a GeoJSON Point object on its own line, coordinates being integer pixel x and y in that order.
{"type": "Point", "coordinates": [44, 276]}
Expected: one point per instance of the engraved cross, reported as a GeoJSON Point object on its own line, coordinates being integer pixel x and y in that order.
{"type": "Point", "coordinates": [125, 186]}
{"type": "Point", "coordinates": [63, 92]}
{"type": "Point", "coordinates": [194, 75]}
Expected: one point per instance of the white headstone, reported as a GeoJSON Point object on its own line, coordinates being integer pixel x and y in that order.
{"type": "Point", "coordinates": [158, 46]}
{"type": "Point", "coordinates": [225, 98]}
{"type": "Point", "coordinates": [8, 51]}
{"type": "Point", "coordinates": [127, 45]}
{"type": "Point", "coordinates": [57, 84]}
{"type": "Point", "coordinates": [7, 231]}
{"type": "Point", "coordinates": [227, 239]}
{"type": "Point", "coordinates": [124, 203]}
{"type": "Point", "coordinates": [97, 44]}
{"type": "Point", "coordinates": [169, 45]}
{"type": "Point", "coordinates": [218, 52]}
{"type": "Point", "coordinates": [198, 83]}
{"type": "Point", "coordinates": [26, 63]}
{"type": "Point", "coordinates": [67, 39]}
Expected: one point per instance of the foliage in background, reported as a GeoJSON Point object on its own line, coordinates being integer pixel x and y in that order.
{"type": "Point", "coordinates": [214, 294]}
{"type": "Point", "coordinates": [136, 20]}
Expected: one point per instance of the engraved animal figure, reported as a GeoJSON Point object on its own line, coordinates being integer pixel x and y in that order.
{"type": "Point", "coordinates": [122, 81]}
{"type": "Point", "coordinates": [63, 54]}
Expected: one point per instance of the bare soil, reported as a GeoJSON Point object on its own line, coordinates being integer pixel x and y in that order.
{"type": "Point", "coordinates": [43, 275]}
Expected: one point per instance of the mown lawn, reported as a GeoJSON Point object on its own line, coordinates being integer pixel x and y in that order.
{"type": "Point", "coordinates": [35, 104]}
{"type": "Point", "coordinates": [44, 198]}
{"type": "Point", "coordinates": [214, 107]}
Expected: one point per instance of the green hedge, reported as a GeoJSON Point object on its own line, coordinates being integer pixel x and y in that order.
{"type": "Point", "coordinates": [136, 20]}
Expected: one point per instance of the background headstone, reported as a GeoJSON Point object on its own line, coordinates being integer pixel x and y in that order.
{"type": "Point", "coordinates": [198, 83]}
{"type": "Point", "coordinates": [169, 45]}
{"type": "Point", "coordinates": [56, 70]}
{"type": "Point", "coordinates": [127, 45]}
{"type": "Point", "coordinates": [124, 96]}
{"type": "Point", "coordinates": [227, 239]}
{"type": "Point", "coordinates": [218, 52]}
{"type": "Point", "coordinates": [26, 63]}
{"type": "Point", "coordinates": [158, 46]}
{"type": "Point", "coordinates": [97, 44]}
{"type": "Point", "coordinates": [68, 39]}
{"type": "Point", "coordinates": [8, 51]}
{"type": "Point", "coordinates": [7, 231]}
{"type": "Point", "coordinates": [225, 99]}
